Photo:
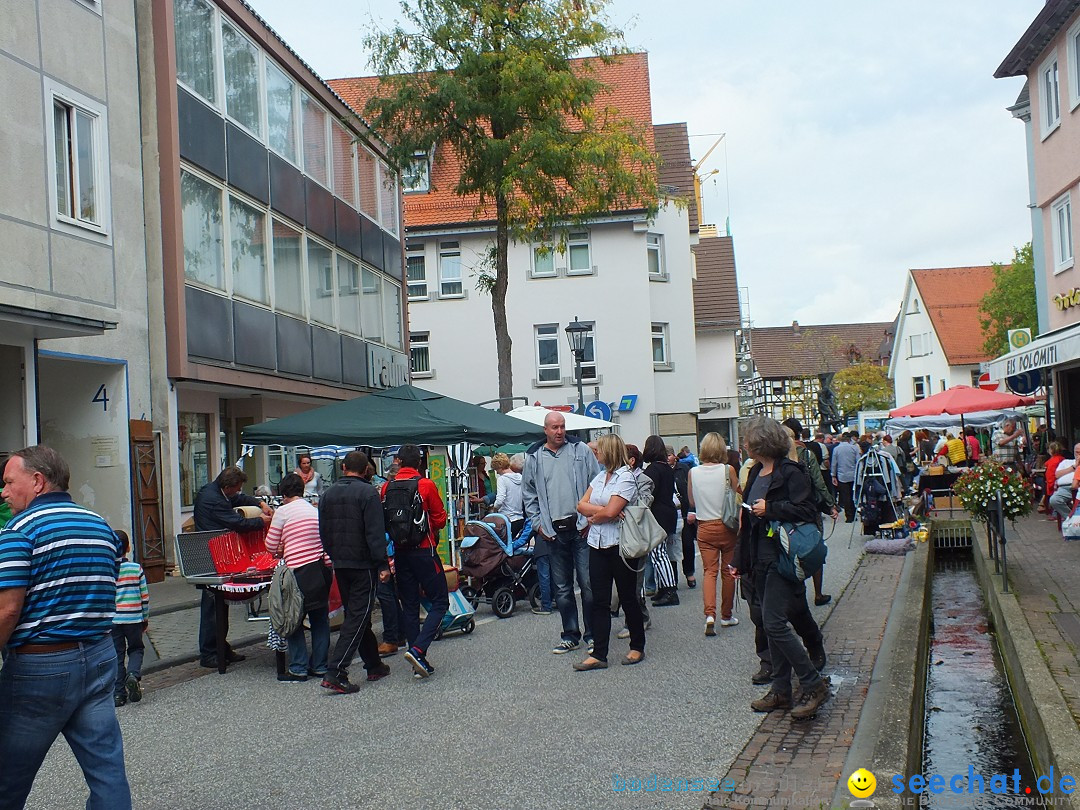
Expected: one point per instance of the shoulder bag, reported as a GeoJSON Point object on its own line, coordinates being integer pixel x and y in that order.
{"type": "Point", "coordinates": [639, 532]}
{"type": "Point", "coordinates": [729, 509]}
{"type": "Point", "coordinates": [802, 550]}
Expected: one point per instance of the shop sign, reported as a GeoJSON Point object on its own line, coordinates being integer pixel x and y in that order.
{"type": "Point", "coordinates": [386, 369]}
{"type": "Point", "coordinates": [1067, 299]}
{"type": "Point", "coordinates": [627, 403]}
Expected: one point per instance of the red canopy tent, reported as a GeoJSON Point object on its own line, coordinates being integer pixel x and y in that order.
{"type": "Point", "coordinates": [961, 399]}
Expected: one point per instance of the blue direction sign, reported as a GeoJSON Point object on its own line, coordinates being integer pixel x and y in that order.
{"type": "Point", "coordinates": [598, 410]}
{"type": "Point", "coordinates": [1025, 384]}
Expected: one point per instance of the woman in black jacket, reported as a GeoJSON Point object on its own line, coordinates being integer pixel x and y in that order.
{"type": "Point", "coordinates": [666, 514]}
{"type": "Point", "coordinates": [779, 490]}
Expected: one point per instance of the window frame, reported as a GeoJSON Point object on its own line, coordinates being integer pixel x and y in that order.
{"type": "Point", "coordinates": [231, 196]}
{"type": "Point", "coordinates": [1062, 203]}
{"type": "Point", "coordinates": [273, 217]}
{"type": "Point", "coordinates": [420, 341]}
{"type": "Point", "coordinates": [660, 330]}
{"type": "Point", "coordinates": [445, 251]}
{"type": "Point", "coordinates": [260, 78]}
{"type": "Point", "coordinates": [658, 247]}
{"type": "Point", "coordinates": [577, 239]}
{"type": "Point", "coordinates": [548, 251]}
{"type": "Point", "coordinates": [217, 58]}
{"type": "Point", "coordinates": [552, 335]}
{"type": "Point", "coordinates": [296, 160]}
{"type": "Point", "coordinates": [74, 101]}
{"type": "Point", "coordinates": [590, 346]}
{"type": "Point", "coordinates": [1048, 126]}
{"type": "Point", "coordinates": [923, 382]}
{"type": "Point", "coordinates": [924, 340]}
{"type": "Point", "coordinates": [417, 253]}
{"type": "Point", "coordinates": [420, 187]}
{"type": "Point", "coordinates": [1073, 60]}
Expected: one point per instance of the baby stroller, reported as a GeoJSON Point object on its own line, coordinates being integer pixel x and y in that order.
{"type": "Point", "coordinates": [499, 568]}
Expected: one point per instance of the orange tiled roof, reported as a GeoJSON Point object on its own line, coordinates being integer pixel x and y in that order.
{"type": "Point", "coordinates": [951, 297]}
{"type": "Point", "coordinates": [782, 352]}
{"type": "Point", "coordinates": [627, 79]}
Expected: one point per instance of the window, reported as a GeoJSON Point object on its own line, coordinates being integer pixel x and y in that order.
{"type": "Point", "coordinates": [193, 430]}
{"type": "Point", "coordinates": [921, 387]}
{"type": "Point", "coordinates": [588, 360]}
{"type": "Point", "coordinates": [321, 282]}
{"type": "Point", "coordinates": [420, 354]}
{"type": "Point", "coordinates": [1049, 96]}
{"type": "Point", "coordinates": [242, 95]}
{"type": "Point", "coordinates": [975, 375]}
{"type": "Point", "coordinates": [371, 314]}
{"type": "Point", "coordinates": [315, 164]}
{"type": "Point", "coordinates": [288, 270]}
{"type": "Point", "coordinates": [920, 344]}
{"type": "Point", "coordinates": [388, 198]}
{"type": "Point", "coordinates": [344, 166]}
{"type": "Point", "coordinates": [543, 265]}
{"type": "Point", "coordinates": [369, 188]}
{"type": "Point", "coordinates": [1061, 226]}
{"type": "Point", "coordinates": [348, 273]}
{"type": "Point", "coordinates": [450, 271]}
{"type": "Point", "coordinates": [654, 243]}
{"type": "Point", "coordinates": [660, 357]}
{"type": "Point", "coordinates": [416, 274]}
{"type": "Point", "coordinates": [79, 161]}
{"type": "Point", "coordinates": [914, 306]}
{"type": "Point", "coordinates": [247, 240]}
{"type": "Point", "coordinates": [204, 256]}
{"type": "Point", "coordinates": [579, 256]}
{"type": "Point", "coordinates": [391, 298]}
{"type": "Point", "coordinates": [196, 61]}
{"type": "Point", "coordinates": [547, 354]}
{"type": "Point", "coordinates": [417, 175]}
{"type": "Point", "coordinates": [1073, 40]}
{"type": "Point", "coordinates": [281, 116]}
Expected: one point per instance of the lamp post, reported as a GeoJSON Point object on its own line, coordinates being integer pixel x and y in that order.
{"type": "Point", "coordinates": [576, 334]}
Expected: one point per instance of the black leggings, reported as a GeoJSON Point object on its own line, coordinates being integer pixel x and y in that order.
{"type": "Point", "coordinates": [605, 567]}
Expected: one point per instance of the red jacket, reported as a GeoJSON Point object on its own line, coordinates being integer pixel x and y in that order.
{"type": "Point", "coordinates": [433, 505]}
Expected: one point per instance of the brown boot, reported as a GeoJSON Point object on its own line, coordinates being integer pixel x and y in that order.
{"type": "Point", "coordinates": [772, 702]}
{"type": "Point", "coordinates": [386, 649]}
{"type": "Point", "coordinates": [810, 701]}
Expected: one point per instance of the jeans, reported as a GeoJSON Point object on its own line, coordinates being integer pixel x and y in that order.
{"type": "Point", "coordinates": [421, 569]}
{"type": "Point", "coordinates": [605, 567]}
{"type": "Point", "coordinates": [570, 554]}
{"type": "Point", "coordinates": [543, 575]}
{"type": "Point", "coordinates": [1061, 502]}
{"type": "Point", "coordinates": [127, 639]}
{"type": "Point", "coordinates": [649, 575]}
{"type": "Point", "coordinates": [781, 599]}
{"type": "Point", "coordinates": [70, 693]}
{"type": "Point", "coordinates": [208, 627]}
{"type": "Point", "coordinates": [391, 612]}
{"type": "Point", "coordinates": [300, 663]}
{"type": "Point", "coordinates": [357, 588]}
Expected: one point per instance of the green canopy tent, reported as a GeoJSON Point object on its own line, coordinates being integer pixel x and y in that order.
{"type": "Point", "coordinates": [394, 416]}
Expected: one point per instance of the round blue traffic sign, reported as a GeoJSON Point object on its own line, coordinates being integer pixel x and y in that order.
{"type": "Point", "coordinates": [598, 410]}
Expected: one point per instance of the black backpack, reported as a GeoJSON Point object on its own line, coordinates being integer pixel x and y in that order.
{"type": "Point", "coordinates": [404, 513]}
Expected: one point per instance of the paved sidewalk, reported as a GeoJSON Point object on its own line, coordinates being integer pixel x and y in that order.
{"type": "Point", "coordinates": [799, 764]}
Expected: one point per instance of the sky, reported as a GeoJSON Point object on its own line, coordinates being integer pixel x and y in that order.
{"type": "Point", "coordinates": [860, 139]}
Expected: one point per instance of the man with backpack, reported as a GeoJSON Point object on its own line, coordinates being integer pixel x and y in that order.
{"type": "Point", "coordinates": [351, 529]}
{"type": "Point", "coordinates": [414, 513]}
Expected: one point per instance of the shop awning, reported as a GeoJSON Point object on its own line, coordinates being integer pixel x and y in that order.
{"type": "Point", "coordinates": [1048, 350]}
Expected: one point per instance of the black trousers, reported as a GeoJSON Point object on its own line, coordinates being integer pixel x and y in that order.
{"type": "Point", "coordinates": [845, 494]}
{"type": "Point", "coordinates": [208, 627]}
{"type": "Point", "coordinates": [802, 620]}
{"type": "Point", "coordinates": [605, 567]}
{"type": "Point", "coordinates": [357, 587]}
{"type": "Point", "coordinates": [689, 547]}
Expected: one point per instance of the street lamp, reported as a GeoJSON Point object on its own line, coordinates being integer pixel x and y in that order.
{"type": "Point", "coordinates": [576, 335]}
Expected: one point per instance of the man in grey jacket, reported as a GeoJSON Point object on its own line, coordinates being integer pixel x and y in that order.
{"type": "Point", "coordinates": [557, 473]}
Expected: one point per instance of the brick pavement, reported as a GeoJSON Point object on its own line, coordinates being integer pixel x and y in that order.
{"type": "Point", "coordinates": [799, 764]}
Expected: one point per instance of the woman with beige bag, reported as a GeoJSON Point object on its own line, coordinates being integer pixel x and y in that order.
{"type": "Point", "coordinates": [712, 490]}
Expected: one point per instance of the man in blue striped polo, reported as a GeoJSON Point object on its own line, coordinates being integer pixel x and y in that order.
{"type": "Point", "coordinates": [58, 568]}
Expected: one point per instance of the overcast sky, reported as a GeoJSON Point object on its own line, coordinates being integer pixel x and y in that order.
{"type": "Point", "coordinates": [861, 139]}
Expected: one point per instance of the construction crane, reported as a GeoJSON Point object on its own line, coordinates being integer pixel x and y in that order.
{"type": "Point", "coordinates": [699, 178]}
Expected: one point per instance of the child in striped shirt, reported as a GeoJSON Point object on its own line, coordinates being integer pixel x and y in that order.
{"type": "Point", "coordinates": [129, 623]}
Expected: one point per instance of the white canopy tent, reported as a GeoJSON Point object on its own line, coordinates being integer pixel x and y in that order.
{"type": "Point", "coordinates": [536, 415]}
{"type": "Point", "coordinates": [946, 421]}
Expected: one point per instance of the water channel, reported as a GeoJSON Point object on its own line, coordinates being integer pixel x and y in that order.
{"type": "Point", "coordinates": [971, 719]}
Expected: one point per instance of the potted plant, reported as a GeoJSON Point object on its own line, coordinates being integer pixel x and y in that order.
{"type": "Point", "coordinates": [978, 486]}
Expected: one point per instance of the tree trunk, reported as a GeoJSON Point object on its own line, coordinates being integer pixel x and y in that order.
{"type": "Point", "coordinates": [498, 303]}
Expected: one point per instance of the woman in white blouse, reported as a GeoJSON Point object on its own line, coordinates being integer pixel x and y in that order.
{"type": "Point", "coordinates": [603, 504]}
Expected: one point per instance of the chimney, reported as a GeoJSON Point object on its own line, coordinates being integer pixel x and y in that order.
{"type": "Point", "coordinates": [795, 327]}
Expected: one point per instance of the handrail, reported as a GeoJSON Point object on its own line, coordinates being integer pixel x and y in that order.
{"type": "Point", "coordinates": [996, 541]}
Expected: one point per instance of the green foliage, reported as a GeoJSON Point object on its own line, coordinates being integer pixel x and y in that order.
{"type": "Point", "coordinates": [492, 81]}
{"type": "Point", "coordinates": [1010, 304]}
{"type": "Point", "coordinates": [862, 387]}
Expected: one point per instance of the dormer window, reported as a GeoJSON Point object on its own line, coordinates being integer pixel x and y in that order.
{"type": "Point", "coordinates": [417, 175]}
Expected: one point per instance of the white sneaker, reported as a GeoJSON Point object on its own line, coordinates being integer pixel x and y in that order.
{"type": "Point", "coordinates": [710, 626]}
{"type": "Point", "coordinates": [624, 633]}
{"type": "Point", "coordinates": [566, 646]}
{"type": "Point", "coordinates": [729, 622]}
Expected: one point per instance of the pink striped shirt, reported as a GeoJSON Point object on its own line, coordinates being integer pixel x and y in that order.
{"type": "Point", "coordinates": [295, 530]}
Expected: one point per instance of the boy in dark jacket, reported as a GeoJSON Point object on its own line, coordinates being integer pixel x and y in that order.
{"type": "Point", "coordinates": [351, 529]}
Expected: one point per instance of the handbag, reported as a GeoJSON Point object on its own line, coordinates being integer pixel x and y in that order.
{"type": "Point", "coordinates": [729, 508]}
{"type": "Point", "coordinates": [802, 550]}
{"type": "Point", "coordinates": [1070, 526]}
{"type": "Point", "coordinates": [639, 531]}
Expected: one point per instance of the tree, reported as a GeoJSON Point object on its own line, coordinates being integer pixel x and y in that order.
{"type": "Point", "coordinates": [1010, 304]}
{"type": "Point", "coordinates": [863, 387]}
{"type": "Point", "coordinates": [497, 82]}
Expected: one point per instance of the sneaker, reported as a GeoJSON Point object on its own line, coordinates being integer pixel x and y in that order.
{"type": "Point", "coordinates": [340, 684]}
{"type": "Point", "coordinates": [710, 626]}
{"type": "Point", "coordinates": [624, 633]}
{"type": "Point", "coordinates": [388, 648]}
{"type": "Point", "coordinates": [134, 688]}
{"type": "Point", "coordinates": [771, 702]}
{"type": "Point", "coordinates": [729, 622]}
{"type": "Point", "coordinates": [292, 677]}
{"type": "Point", "coordinates": [381, 671]}
{"type": "Point", "coordinates": [810, 701]}
{"type": "Point", "coordinates": [762, 676]}
{"type": "Point", "coordinates": [119, 700]}
{"type": "Point", "coordinates": [420, 664]}
{"type": "Point", "coordinates": [542, 611]}
{"type": "Point", "coordinates": [565, 646]}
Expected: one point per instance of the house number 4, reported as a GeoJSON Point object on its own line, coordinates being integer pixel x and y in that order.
{"type": "Point", "coordinates": [102, 396]}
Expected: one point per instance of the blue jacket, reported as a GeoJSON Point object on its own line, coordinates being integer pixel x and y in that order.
{"type": "Point", "coordinates": [214, 511]}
